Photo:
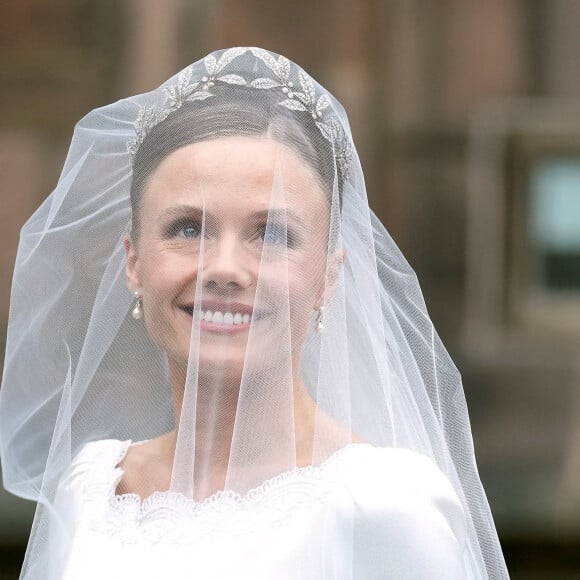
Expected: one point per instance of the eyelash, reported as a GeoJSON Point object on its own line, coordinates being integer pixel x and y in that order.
{"type": "Point", "coordinates": [282, 235]}
{"type": "Point", "coordinates": [178, 227]}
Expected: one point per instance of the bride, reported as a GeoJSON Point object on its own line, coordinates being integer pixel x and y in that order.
{"type": "Point", "coordinates": [219, 365]}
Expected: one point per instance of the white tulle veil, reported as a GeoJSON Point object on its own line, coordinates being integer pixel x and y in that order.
{"type": "Point", "coordinates": [325, 338]}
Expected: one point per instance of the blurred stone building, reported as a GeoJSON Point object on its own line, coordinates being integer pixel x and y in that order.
{"type": "Point", "coordinates": [458, 108]}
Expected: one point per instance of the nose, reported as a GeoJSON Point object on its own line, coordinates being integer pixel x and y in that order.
{"type": "Point", "coordinates": [226, 268]}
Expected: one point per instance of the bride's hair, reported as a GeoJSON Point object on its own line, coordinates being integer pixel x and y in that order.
{"type": "Point", "coordinates": [235, 111]}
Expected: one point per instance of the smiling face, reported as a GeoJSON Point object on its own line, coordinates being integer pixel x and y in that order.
{"type": "Point", "coordinates": [248, 215]}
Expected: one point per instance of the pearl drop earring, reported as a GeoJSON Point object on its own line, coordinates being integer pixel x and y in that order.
{"type": "Point", "coordinates": [138, 308]}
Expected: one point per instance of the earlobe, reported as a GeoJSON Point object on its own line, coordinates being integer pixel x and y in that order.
{"type": "Point", "coordinates": [132, 266]}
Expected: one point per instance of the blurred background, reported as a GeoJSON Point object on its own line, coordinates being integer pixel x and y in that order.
{"type": "Point", "coordinates": [466, 114]}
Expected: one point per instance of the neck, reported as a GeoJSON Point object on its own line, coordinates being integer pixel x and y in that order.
{"type": "Point", "coordinates": [216, 406]}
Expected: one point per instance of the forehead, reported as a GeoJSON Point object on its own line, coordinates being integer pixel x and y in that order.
{"type": "Point", "coordinates": [238, 173]}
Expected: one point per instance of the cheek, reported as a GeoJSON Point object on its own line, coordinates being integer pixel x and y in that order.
{"type": "Point", "coordinates": [305, 284]}
{"type": "Point", "coordinates": [165, 273]}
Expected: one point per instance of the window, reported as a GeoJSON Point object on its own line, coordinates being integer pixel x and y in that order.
{"type": "Point", "coordinates": [554, 224]}
{"type": "Point", "coordinates": [523, 255]}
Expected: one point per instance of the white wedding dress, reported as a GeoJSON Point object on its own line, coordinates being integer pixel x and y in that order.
{"type": "Point", "coordinates": [382, 513]}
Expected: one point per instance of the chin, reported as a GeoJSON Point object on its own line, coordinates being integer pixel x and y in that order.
{"type": "Point", "coordinates": [218, 359]}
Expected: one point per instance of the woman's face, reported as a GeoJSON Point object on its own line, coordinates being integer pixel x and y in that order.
{"type": "Point", "coordinates": [245, 221]}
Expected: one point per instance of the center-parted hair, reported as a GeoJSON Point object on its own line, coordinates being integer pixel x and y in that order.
{"type": "Point", "coordinates": [234, 111]}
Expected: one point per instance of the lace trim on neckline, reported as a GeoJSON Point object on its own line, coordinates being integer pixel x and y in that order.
{"type": "Point", "coordinates": [168, 498]}
{"type": "Point", "coordinates": [173, 519]}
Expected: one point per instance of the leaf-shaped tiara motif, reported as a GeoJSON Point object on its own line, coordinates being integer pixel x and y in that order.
{"type": "Point", "coordinates": [300, 97]}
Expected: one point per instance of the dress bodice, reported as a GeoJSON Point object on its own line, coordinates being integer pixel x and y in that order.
{"type": "Point", "coordinates": [365, 514]}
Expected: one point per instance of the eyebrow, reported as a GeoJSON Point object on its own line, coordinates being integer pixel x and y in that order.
{"type": "Point", "coordinates": [280, 213]}
{"type": "Point", "coordinates": [177, 211]}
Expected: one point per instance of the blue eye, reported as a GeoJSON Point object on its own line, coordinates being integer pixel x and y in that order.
{"type": "Point", "coordinates": [190, 231]}
{"type": "Point", "coordinates": [185, 228]}
{"type": "Point", "coordinates": [277, 235]}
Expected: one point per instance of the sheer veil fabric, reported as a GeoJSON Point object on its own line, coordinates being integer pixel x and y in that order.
{"type": "Point", "coordinates": [208, 282]}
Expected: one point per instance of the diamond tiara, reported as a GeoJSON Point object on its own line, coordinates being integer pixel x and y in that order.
{"type": "Point", "coordinates": [296, 96]}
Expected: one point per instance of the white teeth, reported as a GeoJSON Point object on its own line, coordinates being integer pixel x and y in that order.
{"type": "Point", "coordinates": [225, 317]}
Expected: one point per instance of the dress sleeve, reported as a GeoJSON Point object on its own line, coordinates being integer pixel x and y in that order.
{"type": "Point", "coordinates": [408, 521]}
{"type": "Point", "coordinates": [82, 497]}
{"type": "Point", "coordinates": [86, 486]}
